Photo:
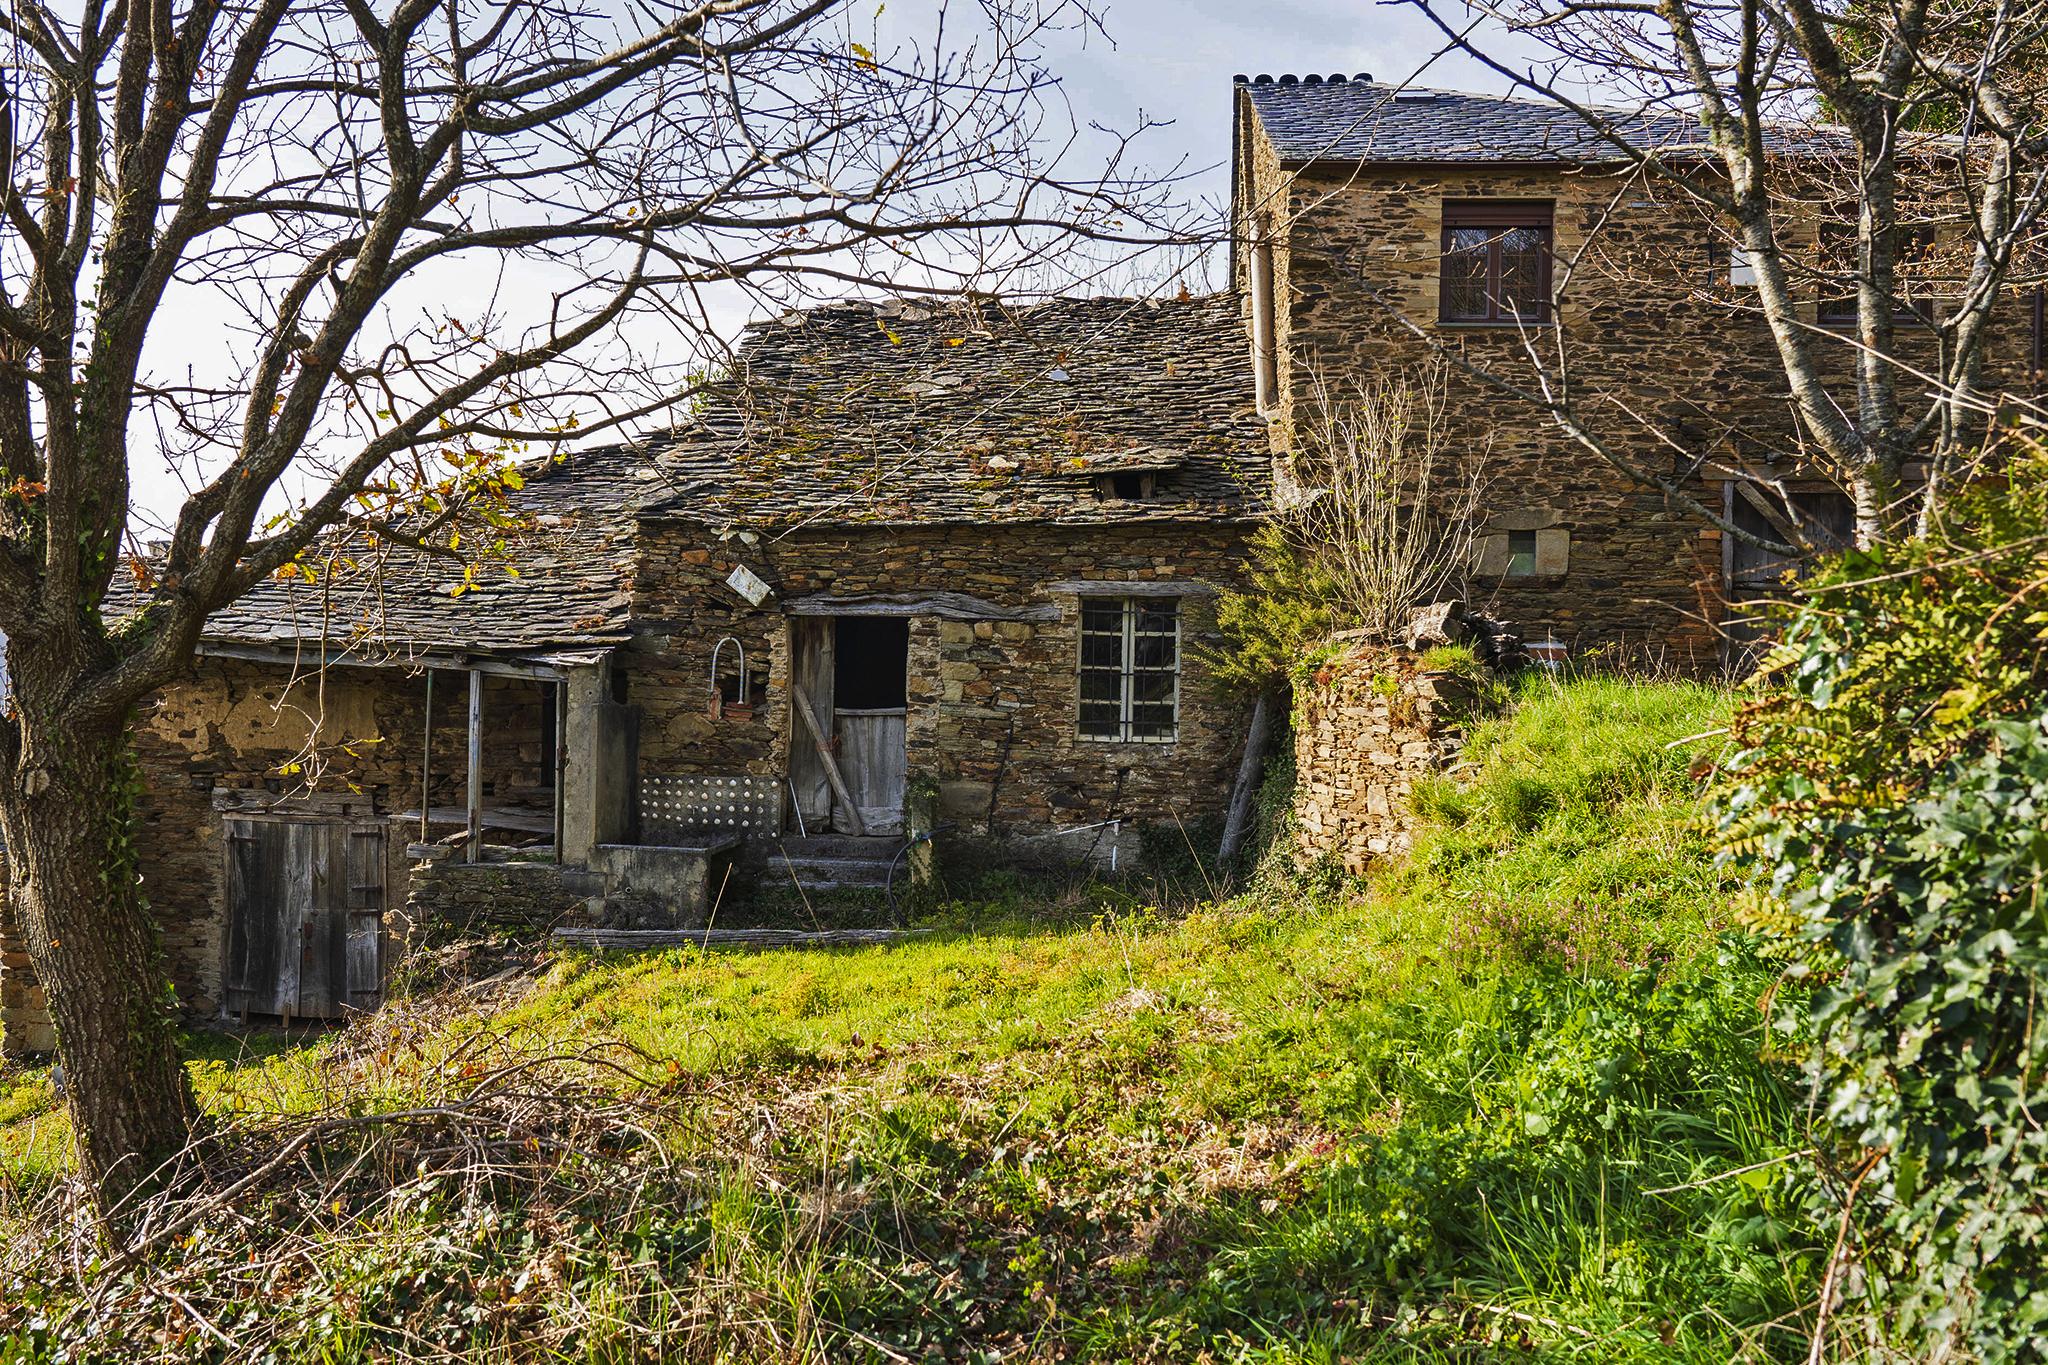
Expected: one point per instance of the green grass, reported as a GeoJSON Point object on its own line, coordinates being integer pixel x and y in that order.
{"type": "Point", "coordinates": [1490, 1101]}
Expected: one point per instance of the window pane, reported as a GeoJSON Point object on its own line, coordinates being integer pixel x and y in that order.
{"type": "Point", "coordinates": [1100, 719]}
{"type": "Point", "coordinates": [1154, 651]}
{"type": "Point", "coordinates": [1521, 553]}
{"type": "Point", "coordinates": [1152, 687]}
{"type": "Point", "coordinates": [1158, 615]}
{"type": "Point", "coordinates": [1521, 273]}
{"type": "Point", "coordinates": [1102, 614]}
{"type": "Point", "coordinates": [1102, 651]}
{"type": "Point", "coordinates": [1097, 685]}
{"type": "Point", "coordinates": [1464, 273]}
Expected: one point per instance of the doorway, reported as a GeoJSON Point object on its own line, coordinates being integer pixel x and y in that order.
{"type": "Point", "coordinates": [853, 672]}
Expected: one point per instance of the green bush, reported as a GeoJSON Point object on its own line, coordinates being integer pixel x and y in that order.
{"type": "Point", "coordinates": [1891, 786]}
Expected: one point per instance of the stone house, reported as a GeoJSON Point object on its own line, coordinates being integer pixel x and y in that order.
{"type": "Point", "coordinates": [957, 561]}
{"type": "Point", "coordinates": [1382, 228]}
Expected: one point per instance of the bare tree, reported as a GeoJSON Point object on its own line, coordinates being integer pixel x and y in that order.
{"type": "Point", "coordinates": [1392, 516]}
{"type": "Point", "coordinates": [1909, 134]}
{"type": "Point", "coordinates": [230, 230]}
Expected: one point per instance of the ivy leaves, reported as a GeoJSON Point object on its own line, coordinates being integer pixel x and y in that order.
{"type": "Point", "coordinates": [1892, 784]}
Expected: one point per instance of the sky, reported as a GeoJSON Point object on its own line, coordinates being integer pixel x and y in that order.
{"type": "Point", "coordinates": [1157, 60]}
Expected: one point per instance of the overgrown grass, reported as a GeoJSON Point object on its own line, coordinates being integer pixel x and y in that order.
{"type": "Point", "coordinates": [1505, 1096]}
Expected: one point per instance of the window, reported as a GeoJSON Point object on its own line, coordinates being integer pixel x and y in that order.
{"type": "Point", "coordinates": [1130, 486]}
{"type": "Point", "coordinates": [1496, 263]}
{"type": "Point", "coordinates": [1840, 259]}
{"type": "Point", "coordinates": [1521, 554]}
{"type": "Point", "coordinates": [1130, 668]}
{"type": "Point", "coordinates": [1511, 551]}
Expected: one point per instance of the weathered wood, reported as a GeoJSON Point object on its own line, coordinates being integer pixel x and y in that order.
{"type": "Point", "coordinates": [811, 668]}
{"type": "Point", "coordinates": [1237, 824]}
{"type": "Point", "coordinates": [473, 847]}
{"type": "Point", "coordinates": [733, 938]}
{"type": "Point", "coordinates": [427, 759]}
{"type": "Point", "coordinates": [873, 759]}
{"type": "Point", "coordinates": [840, 791]}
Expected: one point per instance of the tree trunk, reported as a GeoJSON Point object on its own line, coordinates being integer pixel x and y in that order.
{"type": "Point", "coordinates": [66, 811]}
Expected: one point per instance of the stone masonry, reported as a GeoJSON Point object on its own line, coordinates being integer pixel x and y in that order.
{"type": "Point", "coordinates": [1366, 727]}
{"type": "Point", "coordinates": [1663, 352]}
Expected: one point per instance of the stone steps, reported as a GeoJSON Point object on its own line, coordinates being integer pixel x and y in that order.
{"type": "Point", "coordinates": [825, 864]}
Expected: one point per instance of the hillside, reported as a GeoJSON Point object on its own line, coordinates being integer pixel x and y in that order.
{"type": "Point", "coordinates": [1507, 1094]}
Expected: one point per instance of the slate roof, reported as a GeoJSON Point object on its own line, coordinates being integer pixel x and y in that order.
{"type": "Point", "coordinates": [573, 565]}
{"type": "Point", "coordinates": [851, 414]}
{"type": "Point", "coordinates": [909, 413]}
{"type": "Point", "coordinates": [1313, 118]}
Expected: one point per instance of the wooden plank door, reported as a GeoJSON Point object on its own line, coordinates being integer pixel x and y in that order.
{"type": "Point", "coordinates": [263, 941]}
{"type": "Point", "coordinates": [305, 917]}
{"type": "Point", "coordinates": [811, 666]}
{"type": "Point", "coordinates": [872, 756]}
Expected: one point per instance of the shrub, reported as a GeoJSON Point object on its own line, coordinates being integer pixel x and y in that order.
{"type": "Point", "coordinates": [1891, 781]}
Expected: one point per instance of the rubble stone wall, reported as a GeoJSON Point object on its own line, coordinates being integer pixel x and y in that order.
{"type": "Point", "coordinates": [1662, 350]}
{"type": "Point", "coordinates": [1366, 727]}
{"type": "Point", "coordinates": [992, 702]}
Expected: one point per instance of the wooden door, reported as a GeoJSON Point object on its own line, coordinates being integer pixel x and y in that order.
{"type": "Point", "coordinates": [871, 754]}
{"type": "Point", "coordinates": [810, 649]}
{"type": "Point", "coordinates": [305, 903]}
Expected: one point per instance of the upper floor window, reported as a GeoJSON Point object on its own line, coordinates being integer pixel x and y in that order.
{"type": "Point", "coordinates": [1496, 263]}
{"type": "Point", "coordinates": [1839, 258]}
{"type": "Point", "coordinates": [1130, 668]}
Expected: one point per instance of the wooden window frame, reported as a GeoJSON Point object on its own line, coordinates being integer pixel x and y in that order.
{"type": "Point", "coordinates": [1500, 215]}
{"type": "Point", "coordinates": [1127, 669]}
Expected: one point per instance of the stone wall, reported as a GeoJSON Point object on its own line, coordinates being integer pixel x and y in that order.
{"type": "Point", "coordinates": [449, 900]}
{"type": "Point", "coordinates": [1663, 355]}
{"type": "Point", "coordinates": [992, 702]}
{"type": "Point", "coordinates": [24, 1016]}
{"type": "Point", "coordinates": [1366, 727]}
{"type": "Point", "coordinates": [233, 725]}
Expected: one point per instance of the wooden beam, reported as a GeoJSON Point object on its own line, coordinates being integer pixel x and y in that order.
{"type": "Point", "coordinates": [1239, 821]}
{"type": "Point", "coordinates": [476, 766]}
{"type": "Point", "coordinates": [427, 759]}
{"type": "Point", "coordinates": [840, 791]}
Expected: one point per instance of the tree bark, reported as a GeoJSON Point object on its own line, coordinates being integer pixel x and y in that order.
{"type": "Point", "coordinates": [66, 810]}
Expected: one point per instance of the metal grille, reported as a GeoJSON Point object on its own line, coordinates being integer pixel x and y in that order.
{"type": "Point", "coordinates": [676, 807]}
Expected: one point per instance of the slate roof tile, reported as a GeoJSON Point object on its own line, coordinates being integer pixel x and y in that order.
{"type": "Point", "coordinates": [908, 414]}
{"type": "Point", "coordinates": [1313, 119]}
{"type": "Point", "coordinates": [851, 414]}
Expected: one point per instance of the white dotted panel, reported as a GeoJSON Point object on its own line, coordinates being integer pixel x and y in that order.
{"type": "Point", "coordinates": [672, 807]}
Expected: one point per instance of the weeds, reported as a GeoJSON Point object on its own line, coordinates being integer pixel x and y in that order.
{"type": "Point", "coordinates": [1509, 1097]}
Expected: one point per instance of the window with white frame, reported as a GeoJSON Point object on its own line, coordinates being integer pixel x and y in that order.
{"type": "Point", "coordinates": [1130, 668]}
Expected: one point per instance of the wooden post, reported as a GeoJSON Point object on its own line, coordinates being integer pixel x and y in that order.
{"type": "Point", "coordinates": [560, 741]}
{"type": "Point", "coordinates": [427, 763]}
{"type": "Point", "coordinates": [474, 847]}
{"type": "Point", "coordinates": [1238, 823]}
{"type": "Point", "coordinates": [840, 791]}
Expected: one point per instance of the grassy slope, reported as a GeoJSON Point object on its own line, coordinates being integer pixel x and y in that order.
{"type": "Point", "coordinates": [1419, 1122]}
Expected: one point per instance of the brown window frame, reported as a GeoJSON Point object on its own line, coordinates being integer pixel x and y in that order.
{"type": "Point", "coordinates": [1500, 215]}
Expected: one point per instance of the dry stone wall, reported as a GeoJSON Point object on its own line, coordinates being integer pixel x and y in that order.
{"type": "Point", "coordinates": [1367, 726]}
